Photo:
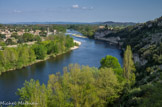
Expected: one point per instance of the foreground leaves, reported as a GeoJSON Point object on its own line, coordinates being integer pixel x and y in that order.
{"type": "Point", "coordinates": [78, 86]}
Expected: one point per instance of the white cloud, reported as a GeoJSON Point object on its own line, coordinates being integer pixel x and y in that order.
{"type": "Point", "coordinates": [87, 8]}
{"type": "Point", "coordinates": [17, 11]}
{"type": "Point", "coordinates": [75, 6]}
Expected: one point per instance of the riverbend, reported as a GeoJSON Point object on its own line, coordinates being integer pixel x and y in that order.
{"type": "Point", "coordinates": [89, 53]}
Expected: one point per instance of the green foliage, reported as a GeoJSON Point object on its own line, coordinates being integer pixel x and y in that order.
{"type": "Point", "coordinates": [110, 62]}
{"type": "Point", "coordinates": [152, 95]}
{"type": "Point", "coordinates": [129, 67]}
{"type": "Point", "coordinates": [145, 40]}
{"type": "Point", "coordinates": [23, 55]}
{"type": "Point", "coordinates": [43, 34]}
{"type": "Point", "coordinates": [38, 39]}
{"type": "Point", "coordinates": [40, 51]}
{"type": "Point", "coordinates": [27, 37]}
{"type": "Point", "coordinates": [2, 36]}
{"type": "Point", "coordinates": [15, 35]}
{"type": "Point", "coordinates": [11, 58]}
{"type": "Point", "coordinates": [59, 28]}
{"type": "Point", "coordinates": [32, 56]}
{"type": "Point", "coordinates": [34, 92]}
{"type": "Point", "coordinates": [78, 86]}
{"type": "Point", "coordinates": [69, 42]}
{"type": "Point", "coordinates": [148, 95]}
{"type": "Point", "coordinates": [86, 30]}
{"type": "Point", "coordinates": [2, 43]}
{"type": "Point", "coordinates": [10, 41]}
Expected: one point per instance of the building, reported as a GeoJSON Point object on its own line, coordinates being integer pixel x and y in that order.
{"type": "Point", "coordinates": [54, 32]}
{"type": "Point", "coordinates": [48, 32]}
{"type": "Point", "coordinates": [20, 33]}
{"type": "Point", "coordinates": [8, 35]}
{"type": "Point", "coordinates": [31, 32]}
{"type": "Point", "coordinates": [101, 27]}
{"type": "Point", "coordinates": [37, 32]}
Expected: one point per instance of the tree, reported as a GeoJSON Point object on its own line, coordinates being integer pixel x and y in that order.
{"type": "Point", "coordinates": [15, 35]}
{"type": "Point", "coordinates": [129, 67]}
{"type": "Point", "coordinates": [69, 42]}
{"type": "Point", "coordinates": [28, 37]}
{"type": "Point", "coordinates": [109, 62]}
{"type": "Point", "coordinates": [23, 56]}
{"type": "Point", "coordinates": [2, 43]}
{"type": "Point", "coordinates": [43, 34]}
{"type": "Point", "coordinates": [38, 39]}
{"type": "Point", "coordinates": [33, 92]}
{"type": "Point", "coordinates": [80, 87]}
{"type": "Point", "coordinates": [2, 36]}
{"type": "Point", "coordinates": [18, 57]}
{"type": "Point", "coordinates": [9, 41]}
{"type": "Point", "coordinates": [32, 56]}
{"type": "Point", "coordinates": [2, 62]}
{"type": "Point", "coordinates": [10, 58]}
{"type": "Point", "coordinates": [40, 51]}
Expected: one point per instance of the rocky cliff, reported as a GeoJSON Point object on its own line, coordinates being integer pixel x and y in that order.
{"type": "Point", "coordinates": [100, 35]}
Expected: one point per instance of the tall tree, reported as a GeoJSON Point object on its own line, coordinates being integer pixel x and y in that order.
{"type": "Point", "coordinates": [129, 67]}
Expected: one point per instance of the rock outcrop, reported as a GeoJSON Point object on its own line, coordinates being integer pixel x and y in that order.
{"type": "Point", "coordinates": [100, 35]}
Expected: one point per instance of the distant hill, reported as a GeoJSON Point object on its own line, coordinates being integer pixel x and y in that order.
{"type": "Point", "coordinates": [118, 23]}
{"type": "Point", "coordinates": [49, 23]}
{"type": "Point", "coordinates": [63, 23]}
{"type": "Point", "coordinates": [97, 23]}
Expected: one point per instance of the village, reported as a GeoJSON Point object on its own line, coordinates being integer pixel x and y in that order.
{"type": "Point", "coordinates": [10, 37]}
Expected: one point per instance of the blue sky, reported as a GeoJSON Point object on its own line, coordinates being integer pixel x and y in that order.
{"type": "Point", "coordinates": [79, 10]}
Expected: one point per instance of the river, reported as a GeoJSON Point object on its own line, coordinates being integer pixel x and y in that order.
{"type": "Point", "coordinates": [89, 53]}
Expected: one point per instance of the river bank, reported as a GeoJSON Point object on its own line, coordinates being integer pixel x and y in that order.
{"type": "Point", "coordinates": [47, 57]}
{"type": "Point", "coordinates": [75, 47]}
{"type": "Point", "coordinates": [77, 35]}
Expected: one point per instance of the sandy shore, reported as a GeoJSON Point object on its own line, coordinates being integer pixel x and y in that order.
{"type": "Point", "coordinates": [77, 35]}
{"type": "Point", "coordinates": [75, 47]}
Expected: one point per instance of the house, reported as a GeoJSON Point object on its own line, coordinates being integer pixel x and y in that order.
{"type": "Point", "coordinates": [31, 32]}
{"type": "Point", "coordinates": [110, 28]}
{"type": "Point", "coordinates": [8, 35]}
{"type": "Point", "coordinates": [2, 32]}
{"type": "Point", "coordinates": [20, 33]}
{"type": "Point", "coordinates": [37, 32]}
{"type": "Point", "coordinates": [101, 27]}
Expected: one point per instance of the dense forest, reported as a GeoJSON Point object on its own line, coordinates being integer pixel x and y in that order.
{"type": "Point", "coordinates": [83, 86]}
{"type": "Point", "coordinates": [23, 55]}
{"type": "Point", "coordinates": [42, 27]}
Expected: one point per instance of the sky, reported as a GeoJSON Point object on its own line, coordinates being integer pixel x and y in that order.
{"type": "Point", "coordinates": [79, 10]}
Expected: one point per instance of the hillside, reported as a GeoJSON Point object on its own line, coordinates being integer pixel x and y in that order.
{"type": "Point", "coordinates": [75, 23]}
{"type": "Point", "coordinates": [118, 23]}
{"type": "Point", "coordinates": [146, 42]}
